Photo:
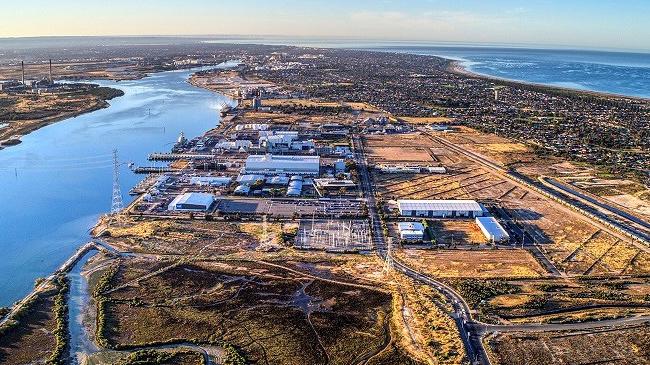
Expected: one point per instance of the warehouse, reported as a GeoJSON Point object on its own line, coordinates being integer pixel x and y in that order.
{"type": "Point", "coordinates": [440, 208]}
{"type": "Point", "coordinates": [192, 202]}
{"type": "Point", "coordinates": [492, 230]}
{"type": "Point", "coordinates": [275, 164]}
{"type": "Point", "coordinates": [210, 180]}
{"type": "Point", "coordinates": [411, 231]}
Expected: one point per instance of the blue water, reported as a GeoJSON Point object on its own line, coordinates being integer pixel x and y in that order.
{"type": "Point", "coordinates": [616, 72]}
{"type": "Point", "coordinates": [55, 185]}
{"type": "Point", "coordinates": [609, 72]}
{"type": "Point", "coordinates": [57, 182]}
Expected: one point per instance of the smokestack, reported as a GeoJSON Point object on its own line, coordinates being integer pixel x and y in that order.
{"type": "Point", "coordinates": [51, 80]}
{"type": "Point", "coordinates": [22, 68]}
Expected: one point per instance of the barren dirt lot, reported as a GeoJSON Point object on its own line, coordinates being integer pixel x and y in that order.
{"type": "Point", "coordinates": [482, 263]}
{"type": "Point", "coordinates": [570, 240]}
{"type": "Point", "coordinates": [399, 154]}
{"type": "Point", "coordinates": [626, 346]}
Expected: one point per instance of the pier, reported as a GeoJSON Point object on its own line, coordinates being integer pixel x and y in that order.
{"type": "Point", "coordinates": [159, 156]}
{"type": "Point", "coordinates": [152, 170]}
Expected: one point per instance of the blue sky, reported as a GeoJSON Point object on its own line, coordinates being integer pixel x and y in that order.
{"type": "Point", "coordinates": [580, 23]}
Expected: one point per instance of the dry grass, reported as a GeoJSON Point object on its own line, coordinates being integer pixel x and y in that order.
{"type": "Point", "coordinates": [424, 326]}
{"type": "Point", "coordinates": [399, 154]}
{"type": "Point", "coordinates": [473, 263]}
{"type": "Point", "coordinates": [625, 346]}
{"type": "Point", "coordinates": [426, 120]}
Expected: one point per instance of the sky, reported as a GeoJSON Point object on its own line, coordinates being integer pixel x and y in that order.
{"type": "Point", "coordinates": [612, 24]}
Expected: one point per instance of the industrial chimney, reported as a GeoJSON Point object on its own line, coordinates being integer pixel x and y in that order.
{"type": "Point", "coordinates": [51, 80]}
{"type": "Point", "coordinates": [22, 68]}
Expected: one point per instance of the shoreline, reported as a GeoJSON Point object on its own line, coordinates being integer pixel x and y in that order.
{"type": "Point", "coordinates": [14, 138]}
{"type": "Point", "coordinates": [73, 259]}
{"type": "Point", "coordinates": [457, 67]}
{"type": "Point", "coordinates": [64, 268]}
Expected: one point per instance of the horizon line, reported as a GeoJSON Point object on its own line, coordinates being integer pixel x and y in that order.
{"type": "Point", "coordinates": [547, 46]}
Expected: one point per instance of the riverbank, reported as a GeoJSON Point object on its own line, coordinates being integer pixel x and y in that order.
{"type": "Point", "coordinates": [46, 283]}
{"type": "Point", "coordinates": [25, 114]}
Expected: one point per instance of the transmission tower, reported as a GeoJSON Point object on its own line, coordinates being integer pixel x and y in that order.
{"type": "Point", "coordinates": [117, 204]}
{"type": "Point", "coordinates": [388, 263]}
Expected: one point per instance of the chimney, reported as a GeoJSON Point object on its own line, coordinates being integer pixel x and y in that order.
{"type": "Point", "coordinates": [22, 68]}
{"type": "Point", "coordinates": [51, 80]}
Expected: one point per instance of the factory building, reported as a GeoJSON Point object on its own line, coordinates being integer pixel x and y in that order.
{"type": "Point", "coordinates": [411, 231]}
{"type": "Point", "coordinates": [237, 145]}
{"type": "Point", "coordinates": [332, 185]}
{"type": "Point", "coordinates": [192, 202]}
{"type": "Point", "coordinates": [210, 180]}
{"type": "Point", "coordinates": [411, 169]}
{"type": "Point", "coordinates": [277, 165]}
{"type": "Point", "coordinates": [295, 186]}
{"type": "Point", "coordinates": [440, 208]}
{"type": "Point", "coordinates": [283, 141]}
{"type": "Point", "coordinates": [492, 230]}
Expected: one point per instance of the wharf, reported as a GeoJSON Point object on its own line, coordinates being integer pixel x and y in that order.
{"type": "Point", "coordinates": [152, 170]}
{"type": "Point", "coordinates": [158, 156]}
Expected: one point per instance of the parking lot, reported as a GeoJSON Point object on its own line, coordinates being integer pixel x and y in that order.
{"type": "Point", "coordinates": [290, 207]}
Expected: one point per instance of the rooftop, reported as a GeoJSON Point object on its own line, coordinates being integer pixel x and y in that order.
{"type": "Point", "coordinates": [200, 199]}
{"type": "Point", "coordinates": [440, 205]}
{"type": "Point", "coordinates": [280, 158]}
{"type": "Point", "coordinates": [410, 226]}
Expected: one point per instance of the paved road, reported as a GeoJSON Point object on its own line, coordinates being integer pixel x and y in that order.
{"type": "Point", "coordinates": [471, 331]}
{"type": "Point", "coordinates": [588, 200]}
{"type": "Point", "coordinates": [462, 316]}
{"type": "Point", "coordinates": [546, 327]}
{"type": "Point", "coordinates": [616, 228]}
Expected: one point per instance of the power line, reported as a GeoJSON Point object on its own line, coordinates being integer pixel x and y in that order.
{"type": "Point", "coordinates": [117, 204]}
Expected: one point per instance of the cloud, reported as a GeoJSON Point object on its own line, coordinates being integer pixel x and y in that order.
{"type": "Point", "coordinates": [443, 23]}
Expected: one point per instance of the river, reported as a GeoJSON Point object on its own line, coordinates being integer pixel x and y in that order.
{"type": "Point", "coordinates": [58, 182]}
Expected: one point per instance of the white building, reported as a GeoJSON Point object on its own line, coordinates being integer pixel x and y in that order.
{"type": "Point", "coordinates": [492, 230]}
{"type": "Point", "coordinates": [284, 141]}
{"type": "Point", "coordinates": [440, 208]}
{"type": "Point", "coordinates": [411, 231]}
{"type": "Point", "coordinates": [237, 145]}
{"type": "Point", "coordinates": [410, 169]}
{"type": "Point", "coordinates": [276, 165]}
{"type": "Point", "coordinates": [192, 202]}
{"type": "Point", "coordinates": [210, 180]}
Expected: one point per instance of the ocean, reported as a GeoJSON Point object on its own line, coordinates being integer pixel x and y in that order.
{"type": "Point", "coordinates": [616, 72]}
{"type": "Point", "coordinates": [620, 73]}
{"type": "Point", "coordinates": [58, 181]}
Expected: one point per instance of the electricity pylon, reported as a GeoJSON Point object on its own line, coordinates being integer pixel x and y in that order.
{"type": "Point", "coordinates": [117, 204]}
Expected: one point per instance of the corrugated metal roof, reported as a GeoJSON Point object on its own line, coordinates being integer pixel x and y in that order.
{"type": "Point", "coordinates": [410, 226]}
{"type": "Point", "coordinates": [202, 199]}
{"type": "Point", "coordinates": [492, 226]}
{"type": "Point", "coordinates": [281, 158]}
{"type": "Point", "coordinates": [440, 205]}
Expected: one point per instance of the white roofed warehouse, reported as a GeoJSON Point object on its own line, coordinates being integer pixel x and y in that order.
{"type": "Point", "coordinates": [492, 230]}
{"type": "Point", "coordinates": [279, 164]}
{"type": "Point", "coordinates": [192, 202]}
{"type": "Point", "coordinates": [411, 231]}
{"type": "Point", "coordinates": [440, 208]}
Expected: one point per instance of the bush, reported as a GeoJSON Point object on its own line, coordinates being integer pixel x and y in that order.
{"type": "Point", "coordinates": [476, 291]}
{"type": "Point", "coordinates": [58, 356]}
